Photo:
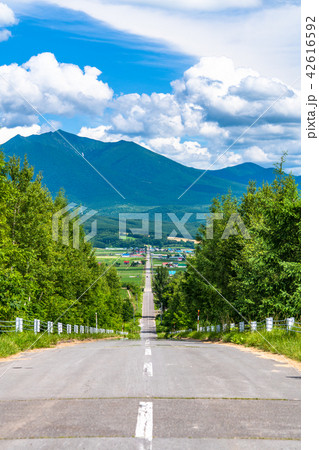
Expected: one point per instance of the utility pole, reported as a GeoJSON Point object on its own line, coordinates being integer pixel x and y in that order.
{"type": "Point", "coordinates": [198, 320]}
{"type": "Point", "coordinates": [96, 321]}
{"type": "Point", "coordinates": [161, 313]}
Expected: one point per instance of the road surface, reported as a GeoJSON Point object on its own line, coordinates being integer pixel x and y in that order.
{"type": "Point", "coordinates": [148, 394]}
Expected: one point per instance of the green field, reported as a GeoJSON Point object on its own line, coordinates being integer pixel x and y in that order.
{"type": "Point", "coordinates": [127, 273]}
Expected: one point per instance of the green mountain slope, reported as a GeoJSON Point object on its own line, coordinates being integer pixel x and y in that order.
{"type": "Point", "coordinates": [145, 179]}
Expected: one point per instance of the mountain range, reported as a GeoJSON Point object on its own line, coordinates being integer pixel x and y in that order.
{"type": "Point", "coordinates": [143, 180]}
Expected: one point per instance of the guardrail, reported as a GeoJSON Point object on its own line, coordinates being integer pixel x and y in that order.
{"type": "Point", "coordinates": [19, 325]}
{"type": "Point", "coordinates": [268, 324]}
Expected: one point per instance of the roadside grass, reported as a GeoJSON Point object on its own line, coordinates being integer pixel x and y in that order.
{"type": "Point", "coordinates": [276, 341]}
{"type": "Point", "coordinates": [17, 342]}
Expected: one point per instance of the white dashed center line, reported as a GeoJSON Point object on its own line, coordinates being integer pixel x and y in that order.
{"type": "Point", "coordinates": [148, 352]}
{"type": "Point", "coordinates": [144, 425]}
{"type": "Point", "coordinates": [148, 369]}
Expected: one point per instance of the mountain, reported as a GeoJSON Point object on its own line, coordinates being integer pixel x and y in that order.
{"type": "Point", "coordinates": [145, 180]}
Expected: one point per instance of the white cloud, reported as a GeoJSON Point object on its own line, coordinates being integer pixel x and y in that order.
{"type": "Point", "coordinates": [4, 35]}
{"type": "Point", "coordinates": [226, 160]}
{"type": "Point", "coordinates": [210, 107]}
{"type": "Point", "coordinates": [256, 154]}
{"type": "Point", "coordinates": [266, 38]}
{"type": "Point", "coordinates": [252, 154]}
{"type": "Point", "coordinates": [187, 152]}
{"type": "Point", "coordinates": [226, 92]}
{"type": "Point", "coordinates": [194, 5]}
{"type": "Point", "coordinates": [8, 133]}
{"type": "Point", "coordinates": [51, 88]}
{"type": "Point", "coordinates": [103, 133]}
{"type": "Point", "coordinates": [148, 115]}
{"type": "Point", "coordinates": [260, 88]}
{"type": "Point", "coordinates": [7, 19]}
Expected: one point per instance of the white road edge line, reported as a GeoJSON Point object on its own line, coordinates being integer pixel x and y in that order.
{"type": "Point", "coordinates": [144, 424]}
{"type": "Point", "coordinates": [148, 352]}
{"type": "Point", "coordinates": [147, 342]}
{"type": "Point", "coordinates": [148, 369]}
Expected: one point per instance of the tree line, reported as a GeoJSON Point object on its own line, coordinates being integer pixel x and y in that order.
{"type": "Point", "coordinates": [39, 277]}
{"type": "Point", "coordinates": [254, 274]}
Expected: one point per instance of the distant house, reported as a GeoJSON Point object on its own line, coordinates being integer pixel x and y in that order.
{"type": "Point", "coordinates": [171, 272]}
{"type": "Point", "coordinates": [126, 262]}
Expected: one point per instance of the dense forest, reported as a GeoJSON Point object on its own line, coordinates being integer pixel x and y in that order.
{"type": "Point", "coordinates": [252, 274]}
{"type": "Point", "coordinates": [39, 277]}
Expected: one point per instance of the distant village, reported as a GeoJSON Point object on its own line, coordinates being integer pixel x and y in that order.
{"type": "Point", "coordinates": [171, 258]}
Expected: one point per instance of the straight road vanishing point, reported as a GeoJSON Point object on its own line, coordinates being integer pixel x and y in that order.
{"type": "Point", "coordinates": [148, 394]}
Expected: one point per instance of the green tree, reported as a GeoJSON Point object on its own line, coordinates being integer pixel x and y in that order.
{"type": "Point", "coordinates": [40, 277]}
{"type": "Point", "coordinates": [160, 282]}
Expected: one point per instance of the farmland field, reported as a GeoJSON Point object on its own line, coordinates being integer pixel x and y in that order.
{"type": "Point", "coordinates": [127, 272]}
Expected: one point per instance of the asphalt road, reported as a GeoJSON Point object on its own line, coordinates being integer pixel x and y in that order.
{"type": "Point", "coordinates": [148, 394]}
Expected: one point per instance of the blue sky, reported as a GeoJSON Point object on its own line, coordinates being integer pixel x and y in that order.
{"type": "Point", "coordinates": [186, 79]}
{"type": "Point", "coordinates": [128, 63]}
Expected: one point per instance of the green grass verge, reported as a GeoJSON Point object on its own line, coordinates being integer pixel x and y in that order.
{"type": "Point", "coordinates": [16, 342]}
{"type": "Point", "coordinates": [276, 341]}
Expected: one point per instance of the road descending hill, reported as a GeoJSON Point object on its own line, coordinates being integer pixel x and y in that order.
{"type": "Point", "coordinates": [148, 394]}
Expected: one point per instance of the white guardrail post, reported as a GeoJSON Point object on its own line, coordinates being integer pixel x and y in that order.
{"type": "Point", "coordinates": [253, 326]}
{"type": "Point", "coordinates": [76, 328]}
{"type": "Point", "coordinates": [19, 324]}
{"type": "Point", "coordinates": [290, 323]}
{"type": "Point", "coordinates": [231, 326]}
{"type": "Point", "coordinates": [36, 326]}
{"type": "Point", "coordinates": [50, 327]}
{"type": "Point", "coordinates": [60, 328]}
{"type": "Point", "coordinates": [68, 329]}
{"type": "Point", "coordinates": [217, 328]}
{"type": "Point", "coordinates": [269, 323]}
{"type": "Point", "coordinates": [241, 327]}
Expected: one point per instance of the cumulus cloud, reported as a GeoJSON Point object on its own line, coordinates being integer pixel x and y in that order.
{"type": "Point", "coordinates": [5, 35]}
{"type": "Point", "coordinates": [214, 105]}
{"type": "Point", "coordinates": [252, 154]}
{"type": "Point", "coordinates": [228, 94]}
{"type": "Point", "coordinates": [184, 151]}
{"type": "Point", "coordinates": [50, 87]}
{"type": "Point", "coordinates": [7, 19]}
{"type": "Point", "coordinates": [211, 109]}
{"type": "Point", "coordinates": [104, 133]}
{"type": "Point", "coordinates": [187, 152]}
{"type": "Point", "coordinates": [256, 154]}
{"type": "Point", "coordinates": [9, 133]}
{"type": "Point", "coordinates": [148, 115]}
